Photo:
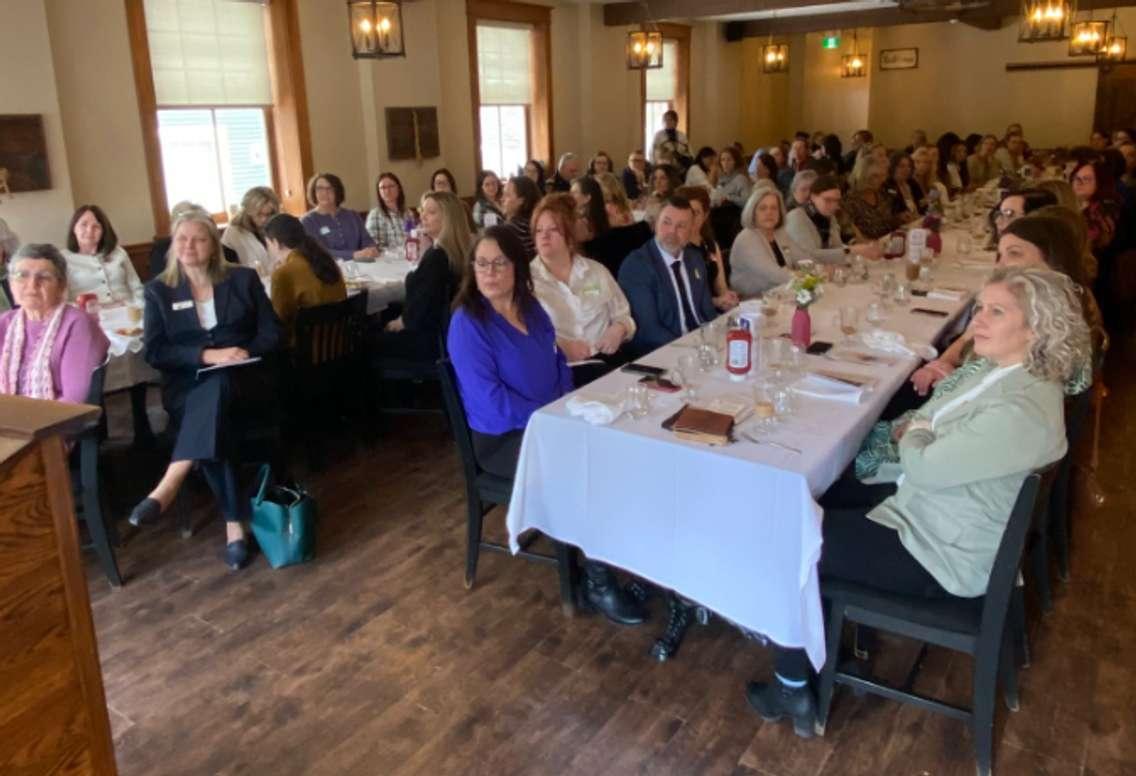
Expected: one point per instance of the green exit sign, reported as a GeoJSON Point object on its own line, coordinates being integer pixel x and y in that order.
{"type": "Point", "coordinates": [830, 42]}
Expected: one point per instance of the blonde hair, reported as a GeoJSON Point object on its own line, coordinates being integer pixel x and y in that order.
{"type": "Point", "coordinates": [932, 177]}
{"type": "Point", "coordinates": [864, 162]}
{"type": "Point", "coordinates": [252, 203]}
{"type": "Point", "coordinates": [217, 267]}
{"type": "Point", "coordinates": [1052, 309]}
{"type": "Point", "coordinates": [760, 191]}
{"type": "Point", "coordinates": [1062, 191]}
{"type": "Point", "coordinates": [455, 238]}
{"type": "Point", "coordinates": [614, 193]}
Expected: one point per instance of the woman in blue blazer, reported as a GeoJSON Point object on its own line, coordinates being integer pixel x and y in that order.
{"type": "Point", "coordinates": [204, 312]}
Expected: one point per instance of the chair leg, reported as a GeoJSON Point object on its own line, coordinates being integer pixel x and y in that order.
{"type": "Point", "coordinates": [982, 718]}
{"type": "Point", "coordinates": [567, 571]}
{"type": "Point", "coordinates": [1016, 625]}
{"type": "Point", "coordinates": [473, 538]}
{"type": "Point", "coordinates": [184, 516]}
{"type": "Point", "coordinates": [92, 509]}
{"type": "Point", "coordinates": [831, 661]}
{"type": "Point", "coordinates": [1009, 671]}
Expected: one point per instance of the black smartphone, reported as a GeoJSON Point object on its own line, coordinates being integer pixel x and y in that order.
{"type": "Point", "coordinates": [643, 369]}
{"type": "Point", "coordinates": [819, 348]}
{"type": "Point", "coordinates": [933, 313]}
{"type": "Point", "coordinates": [918, 292]}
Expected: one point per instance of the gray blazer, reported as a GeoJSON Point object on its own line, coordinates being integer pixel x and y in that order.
{"type": "Point", "coordinates": [961, 480]}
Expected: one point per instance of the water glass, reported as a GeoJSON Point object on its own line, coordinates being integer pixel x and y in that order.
{"type": "Point", "coordinates": [775, 352]}
{"type": "Point", "coordinates": [875, 314]}
{"type": "Point", "coordinates": [638, 400]}
{"type": "Point", "coordinates": [840, 277]}
{"type": "Point", "coordinates": [764, 409]}
{"type": "Point", "coordinates": [902, 294]}
{"type": "Point", "coordinates": [688, 367]}
{"type": "Point", "coordinates": [849, 319]}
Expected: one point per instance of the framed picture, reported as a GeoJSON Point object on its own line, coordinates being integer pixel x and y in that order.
{"type": "Point", "coordinates": [412, 133]}
{"type": "Point", "coordinates": [899, 59]}
{"type": "Point", "coordinates": [23, 152]}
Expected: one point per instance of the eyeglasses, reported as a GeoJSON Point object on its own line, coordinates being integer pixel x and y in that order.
{"type": "Point", "coordinates": [39, 278]}
{"type": "Point", "coordinates": [497, 265]}
{"type": "Point", "coordinates": [1006, 213]}
{"type": "Point", "coordinates": [1081, 179]}
{"type": "Point", "coordinates": [325, 188]}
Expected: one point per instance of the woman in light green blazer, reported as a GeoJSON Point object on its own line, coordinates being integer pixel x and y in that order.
{"type": "Point", "coordinates": [964, 456]}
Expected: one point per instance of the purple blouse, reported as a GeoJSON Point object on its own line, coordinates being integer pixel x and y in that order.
{"type": "Point", "coordinates": [342, 234]}
{"type": "Point", "coordinates": [80, 346]}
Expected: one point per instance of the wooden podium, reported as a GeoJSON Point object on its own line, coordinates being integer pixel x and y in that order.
{"type": "Point", "coordinates": [53, 714]}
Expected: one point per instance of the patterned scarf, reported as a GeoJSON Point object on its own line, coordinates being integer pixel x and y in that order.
{"type": "Point", "coordinates": [40, 385]}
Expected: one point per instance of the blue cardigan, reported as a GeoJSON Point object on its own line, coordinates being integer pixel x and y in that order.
{"type": "Point", "coordinates": [649, 286]}
{"type": "Point", "coordinates": [505, 376]}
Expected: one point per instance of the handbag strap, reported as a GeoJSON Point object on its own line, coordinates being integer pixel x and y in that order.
{"type": "Point", "coordinates": [264, 475]}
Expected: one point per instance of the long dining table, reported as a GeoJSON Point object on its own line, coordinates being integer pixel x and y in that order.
{"type": "Point", "coordinates": [735, 528]}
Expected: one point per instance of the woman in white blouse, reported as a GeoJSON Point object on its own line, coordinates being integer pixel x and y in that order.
{"type": "Point", "coordinates": [96, 263]}
{"type": "Point", "coordinates": [245, 232]}
{"type": "Point", "coordinates": [763, 254]}
{"type": "Point", "coordinates": [588, 309]}
{"type": "Point", "coordinates": [813, 226]}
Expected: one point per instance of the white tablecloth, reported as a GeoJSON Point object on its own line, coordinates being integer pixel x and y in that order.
{"type": "Point", "coordinates": [735, 528]}
{"type": "Point", "coordinates": [384, 279]}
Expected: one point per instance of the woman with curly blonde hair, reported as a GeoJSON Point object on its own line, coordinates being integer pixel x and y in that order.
{"type": "Point", "coordinates": [962, 460]}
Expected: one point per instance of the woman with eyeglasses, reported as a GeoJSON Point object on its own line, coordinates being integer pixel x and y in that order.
{"type": "Point", "coordinates": [635, 176]}
{"type": "Point", "coordinates": [1017, 204]}
{"type": "Point", "coordinates": [245, 232]}
{"type": "Point", "coordinates": [386, 223]}
{"type": "Point", "coordinates": [339, 229]}
{"type": "Point", "coordinates": [587, 307]}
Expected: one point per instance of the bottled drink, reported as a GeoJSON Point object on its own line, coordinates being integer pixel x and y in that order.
{"type": "Point", "coordinates": [739, 351]}
{"type": "Point", "coordinates": [412, 245]}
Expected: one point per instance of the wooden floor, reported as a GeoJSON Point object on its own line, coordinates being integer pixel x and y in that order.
{"type": "Point", "coordinates": [375, 660]}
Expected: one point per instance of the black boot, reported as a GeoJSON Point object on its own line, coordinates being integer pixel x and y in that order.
{"type": "Point", "coordinates": [602, 592]}
{"type": "Point", "coordinates": [775, 701]}
{"type": "Point", "coordinates": [678, 621]}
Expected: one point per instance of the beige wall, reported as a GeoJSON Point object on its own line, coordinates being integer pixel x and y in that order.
{"type": "Point", "coordinates": [28, 86]}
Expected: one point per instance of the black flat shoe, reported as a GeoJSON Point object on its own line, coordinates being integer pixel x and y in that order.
{"type": "Point", "coordinates": [615, 604]}
{"type": "Point", "coordinates": [775, 701]}
{"type": "Point", "coordinates": [146, 513]}
{"type": "Point", "coordinates": [237, 554]}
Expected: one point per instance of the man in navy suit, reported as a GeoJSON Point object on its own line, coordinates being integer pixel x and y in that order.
{"type": "Point", "coordinates": [666, 282]}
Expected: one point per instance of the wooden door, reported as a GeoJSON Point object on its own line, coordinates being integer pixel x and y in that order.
{"type": "Point", "coordinates": [1116, 98]}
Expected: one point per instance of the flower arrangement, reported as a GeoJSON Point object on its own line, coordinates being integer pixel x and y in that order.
{"type": "Point", "coordinates": [806, 289]}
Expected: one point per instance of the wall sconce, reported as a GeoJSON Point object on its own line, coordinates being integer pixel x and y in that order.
{"type": "Point", "coordinates": [376, 28]}
{"type": "Point", "coordinates": [644, 50]}
{"type": "Point", "coordinates": [1044, 20]}
{"type": "Point", "coordinates": [854, 65]}
{"type": "Point", "coordinates": [775, 57]}
{"type": "Point", "coordinates": [1088, 38]}
{"type": "Point", "coordinates": [1115, 46]}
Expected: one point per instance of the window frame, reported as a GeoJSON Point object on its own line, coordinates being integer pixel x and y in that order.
{"type": "Point", "coordinates": [539, 113]}
{"type": "Point", "coordinates": [681, 35]}
{"type": "Point", "coordinates": [286, 119]}
{"type": "Point", "coordinates": [528, 126]}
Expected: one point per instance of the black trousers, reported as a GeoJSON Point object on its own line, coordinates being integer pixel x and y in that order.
{"type": "Point", "coordinates": [206, 412]}
{"type": "Point", "coordinates": [860, 550]}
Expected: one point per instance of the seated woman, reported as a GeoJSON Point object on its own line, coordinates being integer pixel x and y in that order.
{"type": "Point", "coordinates": [868, 206]}
{"type": "Point", "coordinates": [600, 164]}
{"type": "Point", "coordinates": [702, 238]}
{"type": "Point", "coordinates": [704, 171]}
{"type": "Point", "coordinates": [386, 223]}
{"type": "Point", "coordinates": [245, 232]}
{"type": "Point", "coordinates": [587, 307]}
{"type": "Point", "coordinates": [814, 226]}
{"type": "Point", "coordinates": [430, 286]}
{"type": "Point", "coordinates": [201, 312]}
{"type": "Point", "coordinates": [160, 248]}
{"type": "Point", "coordinates": [908, 201]}
{"type": "Point", "coordinates": [964, 456]}
{"type": "Point", "coordinates": [305, 276]}
{"type": "Point", "coordinates": [925, 172]}
{"type": "Point", "coordinates": [96, 263]}
{"type": "Point", "coordinates": [443, 180]}
{"type": "Point", "coordinates": [534, 171]}
{"type": "Point", "coordinates": [591, 211]}
{"type": "Point", "coordinates": [503, 348]}
{"type": "Point", "coordinates": [664, 180]}
{"type": "Point", "coordinates": [952, 163]}
{"type": "Point", "coordinates": [732, 185]}
{"type": "Point", "coordinates": [981, 166]}
{"type": "Point", "coordinates": [519, 201]}
{"type": "Point", "coordinates": [487, 208]}
{"type": "Point", "coordinates": [764, 166]}
{"type": "Point", "coordinates": [763, 255]}
{"type": "Point", "coordinates": [1072, 218]}
{"type": "Point", "coordinates": [800, 188]}
{"type": "Point", "coordinates": [625, 234]}
{"type": "Point", "coordinates": [340, 230]}
{"type": "Point", "coordinates": [1095, 188]}
{"type": "Point", "coordinates": [635, 176]}
{"type": "Point", "coordinates": [48, 348]}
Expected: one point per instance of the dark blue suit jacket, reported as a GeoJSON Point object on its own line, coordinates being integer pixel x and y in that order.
{"type": "Point", "coordinates": [174, 338]}
{"type": "Point", "coordinates": [649, 286]}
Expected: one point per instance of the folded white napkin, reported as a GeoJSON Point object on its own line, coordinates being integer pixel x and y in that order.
{"type": "Point", "coordinates": [945, 295]}
{"type": "Point", "coordinates": [821, 387]}
{"type": "Point", "coordinates": [594, 410]}
{"type": "Point", "coordinates": [894, 342]}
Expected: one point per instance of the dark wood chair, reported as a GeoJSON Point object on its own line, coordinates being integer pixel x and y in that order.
{"type": "Point", "coordinates": [484, 491]}
{"type": "Point", "coordinates": [417, 371]}
{"type": "Point", "coordinates": [86, 481]}
{"type": "Point", "coordinates": [976, 626]}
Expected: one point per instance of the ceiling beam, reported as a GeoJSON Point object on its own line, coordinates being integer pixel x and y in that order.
{"type": "Point", "coordinates": [623, 13]}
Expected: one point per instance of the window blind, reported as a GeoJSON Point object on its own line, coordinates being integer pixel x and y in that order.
{"type": "Point", "coordinates": [504, 64]}
{"type": "Point", "coordinates": [208, 52]}
{"type": "Point", "coordinates": [662, 82]}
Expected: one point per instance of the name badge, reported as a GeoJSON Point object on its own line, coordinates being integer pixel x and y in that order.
{"type": "Point", "coordinates": [187, 304]}
{"type": "Point", "coordinates": [325, 230]}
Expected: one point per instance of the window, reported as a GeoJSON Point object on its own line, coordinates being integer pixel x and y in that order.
{"type": "Point", "coordinates": [661, 93]}
{"type": "Point", "coordinates": [504, 76]}
{"type": "Point", "coordinates": [206, 55]}
{"type": "Point", "coordinates": [510, 50]}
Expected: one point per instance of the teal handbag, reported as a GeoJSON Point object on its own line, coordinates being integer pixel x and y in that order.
{"type": "Point", "coordinates": [283, 521]}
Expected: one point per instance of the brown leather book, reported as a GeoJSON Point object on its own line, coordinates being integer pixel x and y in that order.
{"type": "Point", "coordinates": [699, 425]}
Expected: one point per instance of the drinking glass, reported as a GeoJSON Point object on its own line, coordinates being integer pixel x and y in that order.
{"type": "Point", "coordinates": [902, 294]}
{"type": "Point", "coordinates": [840, 277]}
{"type": "Point", "coordinates": [688, 367]}
{"type": "Point", "coordinates": [776, 351]}
{"type": "Point", "coordinates": [849, 318]}
{"type": "Point", "coordinates": [875, 314]}
{"type": "Point", "coordinates": [637, 400]}
{"type": "Point", "coordinates": [764, 409]}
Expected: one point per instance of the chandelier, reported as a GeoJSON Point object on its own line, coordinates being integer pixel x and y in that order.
{"type": "Point", "coordinates": [853, 65]}
{"type": "Point", "coordinates": [775, 57]}
{"type": "Point", "coordinates": [1044, 20]}
{"type": "Point", "coordinates": [376, 28]}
